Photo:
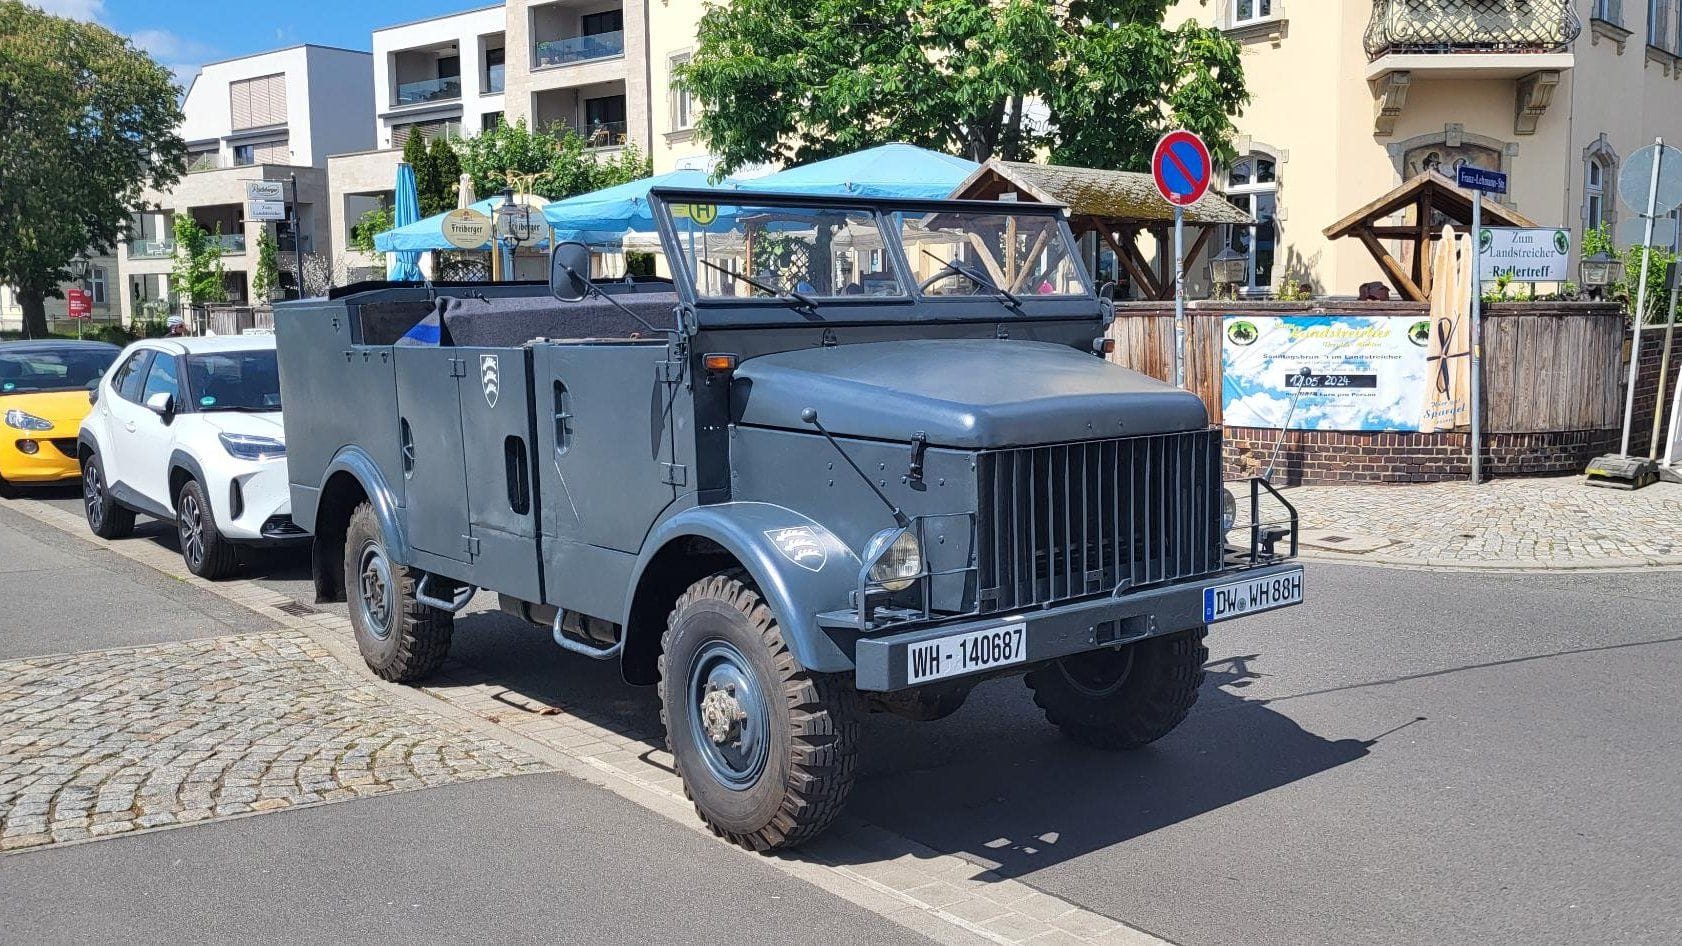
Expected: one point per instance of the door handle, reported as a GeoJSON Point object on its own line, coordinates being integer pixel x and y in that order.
{"type": "Point", "coordinates": [129, 426]}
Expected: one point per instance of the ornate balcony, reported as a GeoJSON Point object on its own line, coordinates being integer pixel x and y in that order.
{"type": "Point", "coordinates": [1470, 26]}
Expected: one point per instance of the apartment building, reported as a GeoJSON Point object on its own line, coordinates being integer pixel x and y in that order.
{"type": "Point", "coordinates": [101, 285]}
{"type": "Point", "coordinates": [1351, 98]}
{"type": "Point", "coordinates": [272, 116]}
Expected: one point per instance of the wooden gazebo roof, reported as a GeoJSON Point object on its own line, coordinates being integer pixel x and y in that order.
{"type": "Point", "coordinates": [1118, 205]}
{"type": "Point", "coordinates": [1427, 193]}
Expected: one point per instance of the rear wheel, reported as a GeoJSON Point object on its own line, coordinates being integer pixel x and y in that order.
{"type": "Point", "coordinates": [107, 519]}
{"type": "Point", "coordinates": [765, 749]}
{"type": "Point", "coordinates": [401, 639]}
{"type": "Point", "coordinates": [207, 553]}
{"type": "Point", "coordinates": [1124, 698]}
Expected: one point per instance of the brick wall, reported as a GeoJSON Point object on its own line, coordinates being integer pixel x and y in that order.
{"type": "Point", "coordinates": [1646, 390]}
{"type": "Point", "coordinates": [1332, 456]}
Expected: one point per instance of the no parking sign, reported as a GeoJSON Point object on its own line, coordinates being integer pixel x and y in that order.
{"type": "Point", "coordinates": [1182, 168]}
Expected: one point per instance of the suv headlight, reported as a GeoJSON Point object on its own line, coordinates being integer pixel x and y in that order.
{"type": "Point", "coordinates": [23, 420]}
{"type": "Point", "coordinates": [1229, 510]}
{"type": "Point", "coordinates": [895, 559]}
{"type": "Point", "coordinates": [250, 447]}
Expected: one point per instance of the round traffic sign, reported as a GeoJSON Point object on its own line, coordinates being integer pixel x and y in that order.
{"type": "Point", "coordinates": [1635, 181]}
{"type": "Point", "coordinates": [1181, 167]}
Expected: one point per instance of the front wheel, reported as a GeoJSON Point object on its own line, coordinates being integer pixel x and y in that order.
{"type": "Point", "coordinates": [765, 749]}
{"type": "Point", "coordinates": [206, 551]}
{"type": "Point", "coordinates": [1123, 698]}
{"type": "Point", "coordinates": [401, 639]}
{"type": "Point", "coordinates": [105, 517]}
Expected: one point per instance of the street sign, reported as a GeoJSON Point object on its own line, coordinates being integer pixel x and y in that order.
{"type": "Point", "coordinates": [1524, 254]}
{"type": "Point", "coordinates": [79, 302]}
{"type": "Point", "coordinates": [1480, 179]}
{"type": "Point", "coordinates": [1182, 168]}
{"type": "Point", "coordinates": [265, 190]}
{"type": "Point", "coordinates": [1637, 187]}
{"type": "Point", "coordinates": [265, 210]}
{"type": "Point", "coordinates": [466, 228]}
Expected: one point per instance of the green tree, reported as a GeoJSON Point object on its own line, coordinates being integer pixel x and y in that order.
{"type": "Point", "coordinates": [371, 224]}
{"type": "Point", "coordinates": [1628, 288]}
{"type": "Point", "coordinates": [1091, 82]}
{"type": "Point", "coordinates": [87, 121]}
{"type": "Point", "coordinates": [418, 156]}
{"type": "Point", "coordinates": [266, 278]}
{"type": "Point", "coordinates": [558, 164]}
{"type": "Point", "coordinates": [438, 192]}
{"type": "Point", "coordinates": [197, 274]}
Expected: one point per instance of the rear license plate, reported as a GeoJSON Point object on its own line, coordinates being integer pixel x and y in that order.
{"type": "Point", "coordinates": [966, 653]}
{"type": "Point", "coordinates": [1253, 596]}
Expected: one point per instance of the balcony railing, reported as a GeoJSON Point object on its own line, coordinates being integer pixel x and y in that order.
{"type": "Point", "coordinates": [1471, 26]}
{"type": "Point", "coordinates": [560, 52]}
{"type": "Point", "coordinates": [429, 90]}
{"type": "Point", "coordinates": [229, 242]}
{"type": "Point", "coordinates": [595, 134]}
{"type": "Point", "coordinates": [151, 249]}
{"type": "Point", "coordinates": [203, 161]}
{"type": "Point", "coordinates": [496, 78]}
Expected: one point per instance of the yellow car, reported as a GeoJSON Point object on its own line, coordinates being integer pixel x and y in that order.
{"type": "Point", "coordinates": [44, 389]}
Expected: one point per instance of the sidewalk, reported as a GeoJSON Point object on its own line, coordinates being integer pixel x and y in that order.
{"type": "Point", "coordinates": [1511, 524]}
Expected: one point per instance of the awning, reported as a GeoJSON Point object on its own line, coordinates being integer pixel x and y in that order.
{"type": "Point", "coordinates": [890, 170]}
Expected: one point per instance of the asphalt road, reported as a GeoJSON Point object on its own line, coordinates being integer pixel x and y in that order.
{"type": "Point", "coordinates": [1410, 757]}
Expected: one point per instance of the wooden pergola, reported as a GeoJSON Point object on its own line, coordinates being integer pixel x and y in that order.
{"type": "Point", "coordinates": [1434, 200]}
{"type": "Point", "coordinates": [1118, 205]}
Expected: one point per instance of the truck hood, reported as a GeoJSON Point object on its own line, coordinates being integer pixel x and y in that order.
{"type": "Point", "coordinates": [964, 393]}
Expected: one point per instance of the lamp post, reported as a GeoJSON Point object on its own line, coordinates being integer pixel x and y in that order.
{"type": "Point", "coordinates": [1230, 268]}
{"type": "Point", "coordinates": [1598, 272]}
{"type": "Point", "coordinates": [80, 268]}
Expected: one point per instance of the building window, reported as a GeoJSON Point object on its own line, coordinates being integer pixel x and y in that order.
{"type": "Point", "coordinates": [1594, 195]}
{"type": "Point", "coordinates": [1600, 185]}
{"type": "Point", "coordinates": [489, 121]}
{"type": "Point", "coordinates": [495, 71]}
{"type": "Point", "coordinates": [258, 102]}
{"type": "Point", "coordinates": [607, 21]}
{"type": "Point", "coordinates": [1252, 185]}
{"type": "Point", "coordinates": [244, 156]}
{"type": "Point", "coordinates": [683, 103]}
{"type": "Point", "coordinates": [1662, 25]}
{"type": "Point", "coordinates": [96, 284]}
{"type": "Point", "coordinates": [1251, 11]}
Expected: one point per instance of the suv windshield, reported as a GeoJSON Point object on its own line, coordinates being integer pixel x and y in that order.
{"type": "Point", "coordinates": [49, 369]}
{"type": "Point", "coordinates": [816, 253]}
{"type": "Point", "coordinates": [234, 381]}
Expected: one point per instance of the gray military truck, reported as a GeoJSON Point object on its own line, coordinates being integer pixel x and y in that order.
{"type": "Point", "coordinates": [852, 456]}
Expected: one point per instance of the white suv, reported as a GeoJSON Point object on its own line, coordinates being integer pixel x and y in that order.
{"type": "Point", "coordinates": [188, 430]}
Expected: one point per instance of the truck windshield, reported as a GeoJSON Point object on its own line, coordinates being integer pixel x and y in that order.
{"type": "Point", "coordinates": [966, 253]}
{"type": "Point", "coordinates": [784, 252]}
{"type": "Point", "coordinates": [234, 381]}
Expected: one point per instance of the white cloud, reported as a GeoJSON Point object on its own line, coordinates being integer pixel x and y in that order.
{"type": "Point", "coordinates": [178, 54]}
{"type": "Point", "coordinates": [74, 9]}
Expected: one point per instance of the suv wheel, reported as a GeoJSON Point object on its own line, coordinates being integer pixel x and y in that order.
{"type": "Point", "coordinates": [765, 749]}
{"type": "Point", "coordinates": [1124, 698]}
{"type": "Point", "coordinates": [107, 519]}
{"type": "Point", "coordinates": [401, 639]}
{"type": "Point", "coordinates": [207, 553]}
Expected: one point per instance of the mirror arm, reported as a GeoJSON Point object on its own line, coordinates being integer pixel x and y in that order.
{"type": "Point", "coordinates": [591, 289]}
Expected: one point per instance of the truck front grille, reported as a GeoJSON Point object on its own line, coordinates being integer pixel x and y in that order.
{"type": "Point", "coordinates": [1069, 520]}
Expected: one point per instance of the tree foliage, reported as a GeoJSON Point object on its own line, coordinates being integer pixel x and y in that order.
{"type": "Point", "coordinates": [372, 223]}
{"type": "Point", "coordinates": [556, 165]}
{"type": "Point", "coordinates": [1628, 288]}
{"type": "Point", "coordinates": [1093, 82]}
{"type": "Point", "coordinates": [87, 121]}
{"type": "Point", "coordinates": [197, 273]}
{"type": "Point", "coordinates": [265, 279]}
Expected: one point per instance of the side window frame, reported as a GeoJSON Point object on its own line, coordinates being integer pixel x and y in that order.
{"type": "Point", "coordinates": [128, 371]}
{"type": "Point", "coordinates": [158, 360]}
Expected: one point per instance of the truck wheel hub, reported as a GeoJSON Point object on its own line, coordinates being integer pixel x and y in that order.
{"type": "Point", "coordinates": [729, 723]}
{"type": "Point", "coordinates": [721, 716]}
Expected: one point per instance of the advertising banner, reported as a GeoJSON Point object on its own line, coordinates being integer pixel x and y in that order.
{"type": "Point", "coordinates": [78, 303]}
{"type": "Point", "coordinates": [1525, 254]}
{"type": "Point", "coordinates": [1324, 372]}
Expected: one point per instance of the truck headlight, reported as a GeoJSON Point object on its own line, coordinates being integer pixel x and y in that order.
{"type": "Point", "coordinates": [23, 420]}
{"type": "Point", "coordinates": [1229, 510]}
{"type": "Point", "coordinates": [895, 559]}
{"type": "Point", "coordinates": [250, 447]}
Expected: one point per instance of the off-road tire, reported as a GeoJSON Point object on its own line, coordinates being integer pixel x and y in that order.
{"type": "Point", "coordinates": [105, 516]}
{"type": "Point", "coordinates": [216, 557]}
{"type": "Point", "coordinates": [417, 637]}
{"type": "Point", "coordinates": [813, 721]}
{"type": "Point", "coordinates": [1144, 703]}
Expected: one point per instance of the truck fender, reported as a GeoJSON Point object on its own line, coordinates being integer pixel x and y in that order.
{"type": "Point", "coordinates": [356, 462]}
{"type": "Point", "coordinates": [797, 589]}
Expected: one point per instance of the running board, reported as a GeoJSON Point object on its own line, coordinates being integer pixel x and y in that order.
{"type": "Point", "coordinates": [463, 595]}
{"type": "Point", "coordinates": [593, 651]}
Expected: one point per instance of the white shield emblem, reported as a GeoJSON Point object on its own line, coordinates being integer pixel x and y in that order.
{"type": "Point", "coordinates": [801, 546]}
{"type": "Point", "coordinates": [490, 378]}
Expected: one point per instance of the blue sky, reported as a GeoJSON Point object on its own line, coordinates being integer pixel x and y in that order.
{"type": "Point", "coordinates": [184, 34]}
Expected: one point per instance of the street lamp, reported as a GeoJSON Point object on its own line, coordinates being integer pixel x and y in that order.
{"type": "Point", "coordinates": [1230, 267]}
{"type": "Point", "coordinates": [1599, 271]}
{"type": "Point", "coordinates": [80, 266]}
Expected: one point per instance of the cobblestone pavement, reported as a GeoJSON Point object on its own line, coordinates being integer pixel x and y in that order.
{"type": "Point", "coordinates": [1504, 524]}
{"type": "Point", "coordinates": [105, 742]}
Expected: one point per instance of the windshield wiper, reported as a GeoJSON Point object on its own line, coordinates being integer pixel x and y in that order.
{"type": "Point", "coordinates": [800, 299]}
{"type": "Point", "coordinates": [979, 278]}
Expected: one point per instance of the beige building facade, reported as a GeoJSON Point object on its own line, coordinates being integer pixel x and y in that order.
{"type": "Point", "coordinates": [1350, 98]}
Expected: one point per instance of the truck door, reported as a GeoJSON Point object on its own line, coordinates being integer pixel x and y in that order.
{"type": "Point", "coordinates": [502, 501]}
{"type": "Point", "coordinates": [434, 461]}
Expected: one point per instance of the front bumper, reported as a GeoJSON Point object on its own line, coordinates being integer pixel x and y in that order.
{"type": "Point", "coordinates": [1094, 624]}
{"type": "Point", "coordinates": [256, 505]}
{"type": "Point", "coordinates": [53, 459]}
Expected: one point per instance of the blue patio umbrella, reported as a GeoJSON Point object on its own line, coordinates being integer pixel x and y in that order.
{"type": "Point", "coordinates": [890, 170]}
{"type": "Point", "coordinates": [405, 264]}
{"type": "Point", "coordinates": [605, 216]}
{"type": "Point", "coordinates": [424, 236]}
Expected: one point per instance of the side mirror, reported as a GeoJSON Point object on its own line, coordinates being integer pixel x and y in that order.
{"type": "Point", "coordinates": [162, 404]}
{"type": "Point", "coordinates": [569, 271]}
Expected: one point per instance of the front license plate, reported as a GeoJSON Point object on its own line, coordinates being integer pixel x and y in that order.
{"type": "Point", "coordinates": [1239, 598]}
{"type": "Point", "coordinates": [966, 653]}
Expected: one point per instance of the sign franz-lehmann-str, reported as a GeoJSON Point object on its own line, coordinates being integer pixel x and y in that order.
{"type": "Point", "coordinates": [1525, 254]}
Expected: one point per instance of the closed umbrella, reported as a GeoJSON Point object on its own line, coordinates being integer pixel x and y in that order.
{"type": "Point", "coordinates": [405, 264]}
{"type": "Point", "coordinates": [464, 192]}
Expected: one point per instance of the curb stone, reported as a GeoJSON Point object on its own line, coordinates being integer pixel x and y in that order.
{"type": "Point", "coordinates": [941, 896]}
